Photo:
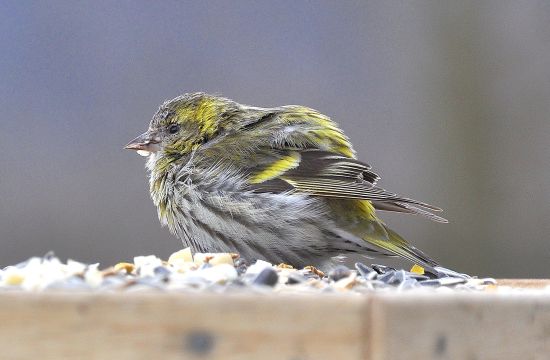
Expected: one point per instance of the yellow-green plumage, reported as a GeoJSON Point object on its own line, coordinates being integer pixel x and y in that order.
{"type": "Point", "coordinates": [280, 184]}
{"type": "Point", "coordinates": [276, 168]}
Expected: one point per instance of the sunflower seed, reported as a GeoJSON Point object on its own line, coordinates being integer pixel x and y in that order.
{"type": "Point", "coordinates": [267, 277]}
{"type": "Point", "coordinates": [295, 278]}
{"type": "Point", "coordinates": [339, 272]}
{"type": "Point", "coordinates": [365, 271]}
{"type": "Point", "coordinates": [386, 277]}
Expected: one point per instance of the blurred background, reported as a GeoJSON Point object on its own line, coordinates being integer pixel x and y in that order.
{"type": "Point", "coordinates": [449, 101]}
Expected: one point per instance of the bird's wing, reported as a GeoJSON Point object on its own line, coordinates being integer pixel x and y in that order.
{"type": "Point", "coordinates": [327, 174]}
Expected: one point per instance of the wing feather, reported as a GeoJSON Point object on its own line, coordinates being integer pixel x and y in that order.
{"type": "Point", "coordinates": [326, 174]}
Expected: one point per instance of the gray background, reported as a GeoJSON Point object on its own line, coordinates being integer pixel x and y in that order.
{"type": "Point", "coordinates": [448, 100]}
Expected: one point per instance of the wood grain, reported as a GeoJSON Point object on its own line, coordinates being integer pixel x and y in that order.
{"type": "Point", "coordinates": [461, 326]}
{"type": "Point", "coordinates": [381, 326]}
{"type": "Point", "coordinates": [524, 283]}
{"type": "Point", "coordinates": [181, 326]}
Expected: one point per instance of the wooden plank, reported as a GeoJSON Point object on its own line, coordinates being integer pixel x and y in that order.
{"type": "Point", "coordinates": [524, 283]}
{"type": "Point", "coordinates": [381, 326]}
{"type": "Point", "coordinates": [182, 326]}
{"type": "Point", "coordinates": [460, 326]}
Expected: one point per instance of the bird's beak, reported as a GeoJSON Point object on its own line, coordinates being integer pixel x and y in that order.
{"type": "Point", "coordinates": [145, 144]}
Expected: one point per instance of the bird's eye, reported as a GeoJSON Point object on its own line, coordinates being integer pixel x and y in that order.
{"type": "Point", "coordinates": [174, 128]}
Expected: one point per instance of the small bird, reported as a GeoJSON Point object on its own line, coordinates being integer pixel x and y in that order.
{"type": "Point", "coordinates": [280, 184]}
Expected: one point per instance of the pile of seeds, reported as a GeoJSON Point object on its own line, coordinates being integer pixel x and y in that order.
{"type": "Point", "coordinates": [219, 273]}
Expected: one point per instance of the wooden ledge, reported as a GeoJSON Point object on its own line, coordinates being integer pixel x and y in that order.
{"type": "Point", "coordinates": [524, 283]}
{"type": "Point", "coordinates": [381, 326]}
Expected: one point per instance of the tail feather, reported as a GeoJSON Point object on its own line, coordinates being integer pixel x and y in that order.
{"type": "Point", "coordinates": [391, 242]}
{"type": "Point", "coordinates": [415, 255]}
{"type": "Point", "coordinates": [409, 209]}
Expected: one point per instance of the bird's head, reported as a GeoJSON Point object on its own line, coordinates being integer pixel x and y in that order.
{"type": "Point", "coordinates": [184, 124]}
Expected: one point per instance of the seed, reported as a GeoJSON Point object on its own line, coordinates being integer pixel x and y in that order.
{"type": "Point", "coordinates": [267, 277]}
{"type": "Point", "coordinates": [339, 272]}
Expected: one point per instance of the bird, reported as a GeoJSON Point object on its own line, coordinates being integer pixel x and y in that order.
{"type": "Point", "coordinates": [281, 184]}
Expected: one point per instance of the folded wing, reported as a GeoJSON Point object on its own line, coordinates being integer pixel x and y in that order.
{"type": "Point", "coordinates": [326, 174]}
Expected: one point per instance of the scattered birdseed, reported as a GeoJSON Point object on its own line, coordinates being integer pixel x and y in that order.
{"type": "Point", "coordinates": [267, 276]}
{"type": "Point", "coordinates": [224, 273]}
{"type": "Point", "coordinates": [339, 272]}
